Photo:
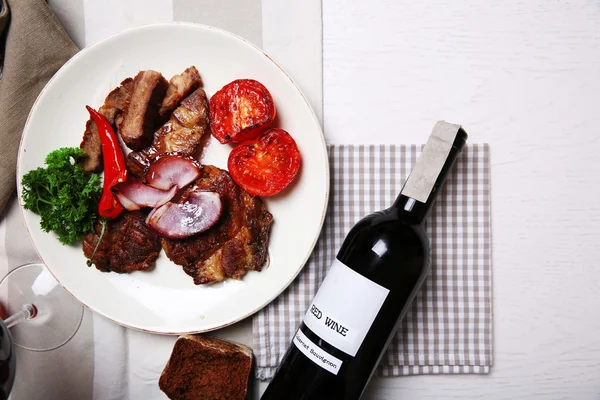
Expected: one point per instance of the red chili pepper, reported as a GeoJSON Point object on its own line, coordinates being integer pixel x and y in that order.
{"type": "Point", "coordinates": [115, 170]}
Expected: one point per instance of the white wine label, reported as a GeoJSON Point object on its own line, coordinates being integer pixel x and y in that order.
{"type": "Point", "coordinates": [316, 354]}
{"type": "Point", "coordinates": [344, 308]}
{"type": "Point", "coordinates": [421, 180]}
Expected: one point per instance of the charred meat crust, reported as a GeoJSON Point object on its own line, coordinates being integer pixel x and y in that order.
{"type": "Point", "coordinates": [128, 244]}
{"type": "Point", "coordinates": [235, 244]}
{"type": "Point", "coordinates": [141, 114]}
{"type": "Point", "coordinates": [180, 87]}
{"type": "Point", "coordinates": [181, 134]}
{"type": "Point", "coordinates": [112, 110]}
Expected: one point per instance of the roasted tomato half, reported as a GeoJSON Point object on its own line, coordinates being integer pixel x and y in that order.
{"type": "Point", "coordinates": [265, 166]}
{"type": "Point", "coordinates": [240, 111]}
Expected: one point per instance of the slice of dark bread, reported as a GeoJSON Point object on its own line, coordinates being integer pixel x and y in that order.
{"type": "Point", "coordinates": [204, 367]}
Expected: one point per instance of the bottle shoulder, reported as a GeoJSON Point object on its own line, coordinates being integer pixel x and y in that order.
{"type": "Point", "coordinates": [383, 238]}
{"type": "Point", "coordinates": [388, 221]}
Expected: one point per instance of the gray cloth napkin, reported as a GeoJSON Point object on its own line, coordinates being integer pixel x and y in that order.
{"type": "Point", "coordinates": [448, 329]}
{"type": "Point", "coordinates": [35, 46]}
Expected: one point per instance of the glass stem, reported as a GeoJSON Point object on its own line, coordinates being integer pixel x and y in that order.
{"type": "Point", "coordinates": [28, 312]}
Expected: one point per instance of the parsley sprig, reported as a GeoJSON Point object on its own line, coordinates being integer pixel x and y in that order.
{"type": "Point", "coordinates": [63, 195]}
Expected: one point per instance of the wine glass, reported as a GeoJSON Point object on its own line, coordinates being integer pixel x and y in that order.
{"type": "Point", "coordinates": [43, 316]}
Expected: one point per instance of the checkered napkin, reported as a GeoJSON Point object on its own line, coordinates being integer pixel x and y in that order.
{"type": "Point", "coordinates": [448, 329]}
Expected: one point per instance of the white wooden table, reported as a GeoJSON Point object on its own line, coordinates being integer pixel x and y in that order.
{"type": "Point", "coordinates": [523, 76]}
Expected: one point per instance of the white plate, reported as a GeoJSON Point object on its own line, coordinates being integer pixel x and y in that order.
{"type": "Point", "coordinates": [165, 300]}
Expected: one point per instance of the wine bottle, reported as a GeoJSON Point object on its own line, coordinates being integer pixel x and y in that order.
{"type": "Point", "coordinates": [381, 265]}
{"type": "Point", "coordinates": [7, 362]}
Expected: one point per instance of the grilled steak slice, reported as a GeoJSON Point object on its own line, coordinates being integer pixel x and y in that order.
{"type": "Point", "coordinates": [189, 121]}
{"type": "Point", "coordinates": [128, 244]}
{"type": "Point", "coordinates": [235, 244]}
{"type": "Point", "coordinates": [180, 87]}
{"type": "Point", "coordinates": [140, 116]}
{"type": "Point", "coordinates": [180, 134]}
{"type": "Point", "coordinates": [92, 147]}
{"type": "Point", "coordinates": [118, 99]}
{"type": "Point", "coordinates": [113, 107]}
